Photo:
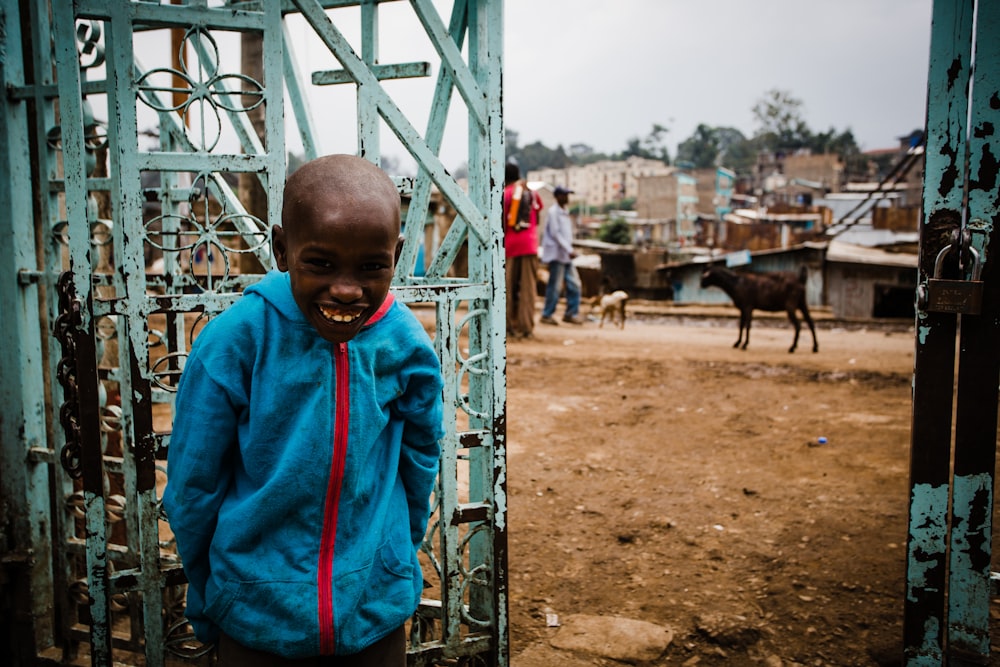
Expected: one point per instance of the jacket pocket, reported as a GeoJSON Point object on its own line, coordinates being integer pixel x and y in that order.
{"type": "Point", "coordinates": [379, 599]}
{"type": "Point", "coordinates": [219, 598]}
{"type": "Point", "coordinates": [274, 616]}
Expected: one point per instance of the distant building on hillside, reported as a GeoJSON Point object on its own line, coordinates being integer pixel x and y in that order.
{"type": "Point", "coordinates": [604, 182]}
{"type": "Point", "coordinates": [673, 199]}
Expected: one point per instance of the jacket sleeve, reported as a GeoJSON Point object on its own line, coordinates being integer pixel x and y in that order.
{"type": "Point", "coordinates": [199, 471]}
{"type": "Point", "coordinates": [420, 407]}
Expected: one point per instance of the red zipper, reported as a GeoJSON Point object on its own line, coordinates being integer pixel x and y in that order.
{"type": "Point", "coordinates": [329, 538]}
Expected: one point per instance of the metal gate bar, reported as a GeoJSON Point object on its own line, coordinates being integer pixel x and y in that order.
{"type": "Point", "coordinates": [978, 366]}
{"type": "Point", "coordinates": [949, 550]}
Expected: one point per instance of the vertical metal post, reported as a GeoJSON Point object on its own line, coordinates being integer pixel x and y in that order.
{"type": "Point", "coordinates": [978, 368]}
{"type": "Point", "coordinates": [297, 98]}
{"type": "Point", "coordinates": [368, 121]}
{"type": "Point", "coordinates": [24, 451]}
{"type": "Point", "coordinates": [934, 357]}
{"type": "Point", "coordinates": [75, 181]}
{"type": "Point", "coordinates": [138, 449]}
{"type": "Point", "coordinates": [926, 571]}
{"type": "Point", "coordinates": [488, 464]}
{"type": "Point", "coordinates": [949, 550]}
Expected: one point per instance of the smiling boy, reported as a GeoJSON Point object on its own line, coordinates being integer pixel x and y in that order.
{"type": "Point", "coordinates": [305, 440]}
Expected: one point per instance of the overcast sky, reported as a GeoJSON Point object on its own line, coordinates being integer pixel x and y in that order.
{"type": "Point", "coordinates": [600, 72]}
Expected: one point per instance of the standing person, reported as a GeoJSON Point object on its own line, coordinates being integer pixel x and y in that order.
{"type": "Point", "coordinates": [305, 443]}
{"type": "Point", "coordinates": [520, 214]}
{"type": "Point", "coordinates": [557, 254]}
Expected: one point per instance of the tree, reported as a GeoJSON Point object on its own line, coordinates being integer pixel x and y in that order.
{"type": "Point", "coordinates": [538, 156]}
{"type": "Point", "coordinates": [781, 127]}
{"type": "Point", "coordinates": [535, 155]}
{"type": "Point", "coordinates": [718, 146]}
{"type": "Point", "coordinates": [651, 147]}
{"type": "Point", "coordinates": [701, 149]}
{"type": "Point", "coordinates": [736, 151]}
{"type": "Point", "coordinates": [615, 231]}
{"type": "Point", "coordinates": [780, 122]}
{"type": "Point", "coordinates": [623, 204]}
{"type": "Point", "coordinates": [841, 144]}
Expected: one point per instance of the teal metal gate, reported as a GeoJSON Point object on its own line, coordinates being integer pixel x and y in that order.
{"type": "Point", "coordinates": [136, 194]}
{"type": "Point", "coordinates": [949, 549]}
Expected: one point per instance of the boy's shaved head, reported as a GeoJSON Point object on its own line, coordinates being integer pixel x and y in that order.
{"type": "Point", "coordinates": [341, 180]}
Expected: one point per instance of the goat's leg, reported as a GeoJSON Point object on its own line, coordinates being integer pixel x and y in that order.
{"type": "Point", "coordinates": [747, 316]}
{"type": "Point", "coordinates": [798, 328]}
{"type": "Point", "coordinates": [812, 329]}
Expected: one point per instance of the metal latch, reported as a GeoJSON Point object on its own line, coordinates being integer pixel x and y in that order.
{"type": "Point", "coordinates": [955, 296]}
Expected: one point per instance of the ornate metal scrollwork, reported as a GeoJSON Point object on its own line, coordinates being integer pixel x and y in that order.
{"type": "Point", "coordinates": [204, 88]}
{"type": "Point", "coordinates": [206, 235]}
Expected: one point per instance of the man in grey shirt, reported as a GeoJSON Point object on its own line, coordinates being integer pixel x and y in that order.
{"type": "Point", "coordinates": [557, 254]}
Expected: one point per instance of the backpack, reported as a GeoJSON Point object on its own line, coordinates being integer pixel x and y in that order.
{"type": "Point", "coordinates": [521, 202]}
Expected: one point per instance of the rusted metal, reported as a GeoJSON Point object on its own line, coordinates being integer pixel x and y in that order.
{"type": "Point", "coordinates": [948, 578]}
{"type": "Point", "coordinates": [136, 286]}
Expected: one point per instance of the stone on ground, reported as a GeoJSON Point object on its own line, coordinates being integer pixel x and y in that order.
{"type": "Point", "coordinates": [613, 637]}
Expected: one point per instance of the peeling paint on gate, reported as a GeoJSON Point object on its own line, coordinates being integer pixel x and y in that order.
{"type": "Point", "coordinates": [112, 564]}
{"type": "Point", "coordinates": [953, 456]}
{"type": "Point", "coordinates": [928, 535]}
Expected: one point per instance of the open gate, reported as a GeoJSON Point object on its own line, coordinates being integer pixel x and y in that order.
{"type": "Point", "coordinates": [949, 547]}
{"type": "Point", "coordinates": [119, 239]}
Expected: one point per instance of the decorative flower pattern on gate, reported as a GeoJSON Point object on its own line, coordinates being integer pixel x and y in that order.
{"type": "Point", "coordinates": [206, 235]}
{"type": "Point", "coordinates": [202, 88]}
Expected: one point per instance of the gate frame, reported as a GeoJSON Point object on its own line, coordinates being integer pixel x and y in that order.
{"type": "Point", "coordinates": [466, 543]}
{"type": "Point", "coordinates": [949, 542]}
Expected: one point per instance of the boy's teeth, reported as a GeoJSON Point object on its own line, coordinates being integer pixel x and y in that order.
{"type": "Point", "coordinates": [337, 316]}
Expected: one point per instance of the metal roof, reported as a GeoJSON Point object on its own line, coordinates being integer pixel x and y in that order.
{"type": "Point", "coordinates": [848, 253]}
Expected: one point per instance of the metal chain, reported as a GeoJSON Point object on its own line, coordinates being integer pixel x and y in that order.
{"type": "Point", "coordinates": [69, 317]}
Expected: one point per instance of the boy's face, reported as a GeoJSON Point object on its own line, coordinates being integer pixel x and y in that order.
{"type": "Point", "coordinates": [341, 261]}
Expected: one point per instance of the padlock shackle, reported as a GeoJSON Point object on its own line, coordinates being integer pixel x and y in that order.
{"type": "Point", "coordinates": [939, 260]}
{"type": "Point", "coordinates": [977, 266]}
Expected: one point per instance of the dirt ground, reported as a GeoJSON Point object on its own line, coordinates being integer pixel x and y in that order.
{"type": "Point", "coordinates": [658, 474]}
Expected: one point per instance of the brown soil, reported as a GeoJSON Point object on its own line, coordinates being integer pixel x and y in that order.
{"type": "Point", "coordinates": [656, 473]}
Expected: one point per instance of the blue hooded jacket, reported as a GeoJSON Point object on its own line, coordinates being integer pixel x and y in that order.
{"type": "Point", "coordinates": [300, 473]}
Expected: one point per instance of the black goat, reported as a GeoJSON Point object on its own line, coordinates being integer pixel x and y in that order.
{"type": "Point", "coordinates": [765, 291]}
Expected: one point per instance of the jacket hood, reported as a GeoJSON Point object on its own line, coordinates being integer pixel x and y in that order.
{"type": "Point", "coordinates": [276, 288]}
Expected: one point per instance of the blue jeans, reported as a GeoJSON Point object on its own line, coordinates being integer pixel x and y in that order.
{"type": "Point", "coordinates": [560, 273]}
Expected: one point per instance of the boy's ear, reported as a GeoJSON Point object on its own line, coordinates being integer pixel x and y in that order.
{"type": "Point", "coordinates": [279, 247]}
{"type": "Point", "coordinates": [399, 248]}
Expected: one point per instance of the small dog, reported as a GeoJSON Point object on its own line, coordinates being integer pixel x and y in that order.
{"type": "Point", "coordinates": [612, 307]}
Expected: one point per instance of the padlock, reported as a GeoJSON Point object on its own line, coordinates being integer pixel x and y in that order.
{"type": "Point", "coordinates": [955, 296]}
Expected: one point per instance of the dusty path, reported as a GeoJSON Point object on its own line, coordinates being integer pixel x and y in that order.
{"type": "Point", "coordinates": [658, 474]}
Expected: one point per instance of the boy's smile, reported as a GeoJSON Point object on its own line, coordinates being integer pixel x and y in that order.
{"type": "Point", "coordinates": [333, 314]}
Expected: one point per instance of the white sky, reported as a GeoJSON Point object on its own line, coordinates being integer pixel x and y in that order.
{"type": "Point", "coordinates": [600, 71]}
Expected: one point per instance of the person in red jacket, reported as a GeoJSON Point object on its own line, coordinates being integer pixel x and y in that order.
{"type": "Point", "coordinates": [520, 214]}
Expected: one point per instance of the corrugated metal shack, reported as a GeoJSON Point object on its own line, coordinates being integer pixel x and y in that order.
{"type": "Point", "coordinates": [685, 277]}
{"type": "Point", "coordinates": [863, 282]}
{"type": "Point", "coordinates": [855, 282]}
